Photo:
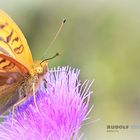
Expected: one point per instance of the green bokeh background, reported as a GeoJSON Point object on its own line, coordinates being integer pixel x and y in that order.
{"type": "Point", "coordinates": [102, 39]}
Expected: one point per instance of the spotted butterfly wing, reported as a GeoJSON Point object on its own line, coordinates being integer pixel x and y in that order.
{"type": "Point", "coordinates": [15, 59]}
{"type": "Point", "coordinates": [13, 43]}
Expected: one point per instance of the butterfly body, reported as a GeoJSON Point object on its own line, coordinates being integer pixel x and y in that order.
{"type": "Point", "coordinates": [17, 71]}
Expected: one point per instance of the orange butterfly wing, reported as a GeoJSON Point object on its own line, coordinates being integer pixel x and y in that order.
{"type": "Point", "coordinates": [15, 61]}
{"type": "Point", "coordinates": [15, 54]}
{"type": "Point", "coordinates": [9, 64]}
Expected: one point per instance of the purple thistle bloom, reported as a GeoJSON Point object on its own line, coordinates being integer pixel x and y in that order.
{"type": "Point", "coordinates": [63, 106]}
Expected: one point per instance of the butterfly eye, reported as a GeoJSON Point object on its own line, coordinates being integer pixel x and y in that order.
{"type": "Point", "coordinates": [39, 70]}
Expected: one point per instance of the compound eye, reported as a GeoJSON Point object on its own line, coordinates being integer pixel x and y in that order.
{"type": "Point", "coordinates": [39, 70]}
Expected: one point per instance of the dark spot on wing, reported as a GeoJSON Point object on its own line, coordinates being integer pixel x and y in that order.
{"type": "Point", "coordinates": [9, 66]}
{"type": "Point", "coordinates": [2, 60]}
{"type": "Point", "coordinates": [9, 36]}
{"type": "Point", "coordinates": [3, 25]}
{"type": "Point", "coordinates": [19, 49]}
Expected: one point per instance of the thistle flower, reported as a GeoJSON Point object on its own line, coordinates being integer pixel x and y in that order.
{"type": "Point", "coordinates": [63, 106]}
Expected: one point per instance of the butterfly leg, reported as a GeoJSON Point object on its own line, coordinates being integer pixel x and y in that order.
{"type": "Point", "coordinates": [34, 96]}
{"type": "Point", "coordinates": [45, 83]}
{"type": "Point", "coordinates": [15, 105]}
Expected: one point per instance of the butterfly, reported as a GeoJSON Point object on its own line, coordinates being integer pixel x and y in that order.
{"type": "Point", "coordinates": [19, 75]}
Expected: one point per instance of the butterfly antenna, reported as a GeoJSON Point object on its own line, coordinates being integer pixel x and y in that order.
{"type": "Point", "coordinates": [49, 58]}
{"type": "Point", "coordinates": [55, 37]}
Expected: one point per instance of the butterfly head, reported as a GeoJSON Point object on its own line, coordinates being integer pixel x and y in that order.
{"type": "Point", "coordinates": [41, 68]}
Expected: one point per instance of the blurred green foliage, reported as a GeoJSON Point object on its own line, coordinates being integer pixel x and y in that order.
{"type": "Point", "coordinates": [102, 39]}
